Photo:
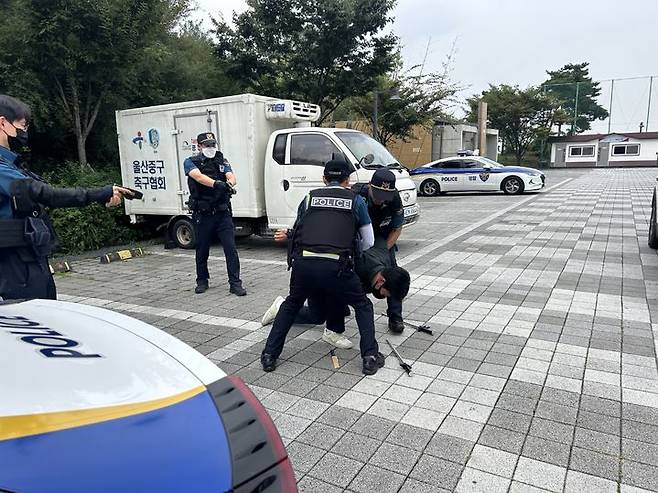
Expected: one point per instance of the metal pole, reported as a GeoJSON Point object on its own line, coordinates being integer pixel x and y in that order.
{"type": "Point", "coordinates": [649, 104]}
{"type": "Point", "coordinates": [375, 104]}
{"type": "Point", "coordinates": [612, 90]}
{"type": "Point", "coordinates": [575, 111]}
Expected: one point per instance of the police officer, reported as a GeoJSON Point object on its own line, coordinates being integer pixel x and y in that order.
{"type": "Point", "coordinates": [26, 233]}
{"type": "Point", "coordinates": [378, 276]}
{"type": "Point", "coordinates": [329, 222]}
{"type": "Point", "coordinates": [387, 214]}
{"type": "Point", "coordinates": [211, 181]}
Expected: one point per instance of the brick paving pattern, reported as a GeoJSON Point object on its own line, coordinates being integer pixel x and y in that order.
{"type": "Point", "coordinates": [540, 376]}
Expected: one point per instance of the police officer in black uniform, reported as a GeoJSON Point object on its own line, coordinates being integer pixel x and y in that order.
{"type": "Point", "coordinates": [211, 181]}
{"type": "Point", "coordinates": [329, 223]}
{"type": "Point", "coordinates": [26, 233]}
{"type": "Point", "coordinates": [387, 214]}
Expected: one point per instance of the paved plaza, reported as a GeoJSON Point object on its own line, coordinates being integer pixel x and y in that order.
{"type": "Point", "coordinates": [540, 374]}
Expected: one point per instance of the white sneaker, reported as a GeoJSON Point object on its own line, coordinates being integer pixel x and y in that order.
{"type": "Point", "coordinates": [271, 312]}
{"type": "Point", "coordinates": [336, 340]}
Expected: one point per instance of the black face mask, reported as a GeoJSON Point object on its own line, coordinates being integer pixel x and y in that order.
{"type": "Point", "coordinates": [18, 142]}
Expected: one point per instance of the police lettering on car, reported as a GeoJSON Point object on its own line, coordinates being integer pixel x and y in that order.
{"type": "Point", "coordinates": [50, 343]}
{"type": "Point", "coordinates": [321, 253]}
{"type": "Point", "coordinates": [210, 179]}
{"type": "Point", "coordinates": [26, 233]}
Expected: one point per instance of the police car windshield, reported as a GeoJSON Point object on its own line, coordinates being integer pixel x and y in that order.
{"type": "Point", "coordinates": [361, 144]}
{"type": "Point", "coordinates": [491, 162]}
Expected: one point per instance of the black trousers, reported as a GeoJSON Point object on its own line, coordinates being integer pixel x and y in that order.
{"type": "Point", "coordinates": [394, 310]}
{"type": "Point", "coordinates": [209, 227]}
{"type": "Point", "coordinates": [23, 275]}
{"type": "Point", "coordinates": [323, 279]}
{"type": "Point", "coordinates": [318, 311]}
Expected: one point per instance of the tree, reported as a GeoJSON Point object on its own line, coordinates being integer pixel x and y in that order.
{"type": "Point", "coordinates": [574, 79]}
{"type": "Point", "coordinates": [85, 51]}
{"type": "Point", "coordinates": [319, 52]}
{"type": "Point", "coordinates": [422, 100]}
{"type": "Point", "coordinates": [523, 116]}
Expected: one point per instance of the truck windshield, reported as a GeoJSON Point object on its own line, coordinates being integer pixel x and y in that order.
{"type": "Point", "coordinates": [361, 145]}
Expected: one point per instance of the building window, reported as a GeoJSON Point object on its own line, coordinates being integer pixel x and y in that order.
{"type": "Point", "coordinates": [626, 150]}
{"type": "Point", "coordinates": [581, 151]}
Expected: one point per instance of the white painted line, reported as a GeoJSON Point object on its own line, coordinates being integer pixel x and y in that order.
{"type": "Point", "coordinates": [177, 314]}
{"type": "Point", "coordinates": [218, 257]}
{"type": "Point", "coordinates": [430, 248]}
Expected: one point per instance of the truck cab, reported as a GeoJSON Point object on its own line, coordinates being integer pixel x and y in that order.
{"type": "Point", "coordinates": [295, 159]}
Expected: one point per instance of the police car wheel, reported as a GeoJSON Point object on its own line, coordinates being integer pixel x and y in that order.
{"type": "Point", "coordinates": [512, 185]}
{"type": "Point", "coordinates": [430, 188]}
{"type": "Point", "coordinates": [183, 234]}
{"type": "Point", "coordinates": [653, 233]}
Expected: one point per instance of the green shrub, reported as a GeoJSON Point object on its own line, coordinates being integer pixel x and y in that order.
{"type": "Point", "coordinates": [92, 227]}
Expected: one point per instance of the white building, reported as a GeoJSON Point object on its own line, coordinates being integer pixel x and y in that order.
{"type": "Point", "coordinates": [605, 150]}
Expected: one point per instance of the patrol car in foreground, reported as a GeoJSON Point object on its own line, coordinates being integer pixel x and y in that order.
{"type": "Point", "coordinates": [95, 401]}
{"type": "Point", "coordinates": [475, 173]}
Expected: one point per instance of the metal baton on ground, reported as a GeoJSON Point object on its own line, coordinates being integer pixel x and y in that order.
{"type": "Point", "coordinates": [405, 366]}
{"type": "Point", "coordinates": [420, 328]}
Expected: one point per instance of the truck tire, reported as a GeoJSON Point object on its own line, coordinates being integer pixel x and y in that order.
{"type": "Point", "coordinates": [183, 233]}
{"type": "Point", "coordinates": [430, 187]}
{"type": "Point", "coordinates": [512, 185]}
{"type": "Point", "coordinates": [653, 233]}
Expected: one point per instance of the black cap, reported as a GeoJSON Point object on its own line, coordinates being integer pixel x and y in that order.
{"type": "Point", "coordinates": [337, 169]}
{"type": "Point", "coordinates": [206, 139]}
{"type": "Point", "coordinates": [382, 185]}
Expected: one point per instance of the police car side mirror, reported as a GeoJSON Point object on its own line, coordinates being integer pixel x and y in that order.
{"type": "Point", "coordinates": [487, 166]}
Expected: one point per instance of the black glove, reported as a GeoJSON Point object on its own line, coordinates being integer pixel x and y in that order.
{"type": "Point", "coordinates": [221, 185]}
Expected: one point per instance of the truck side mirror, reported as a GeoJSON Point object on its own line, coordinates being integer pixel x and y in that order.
{"type": "Point", "coordinates": [368, 159]}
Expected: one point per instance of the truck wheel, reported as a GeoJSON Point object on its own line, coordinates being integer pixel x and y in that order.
{"type": "Point", "coordinates": [430, 188]}
{"type": "Point", "coordinates": [653, 234]}
{"type": "Point", "coordinates": [512, 185]}
{"type": "Point", "coordinates": [183, 234]}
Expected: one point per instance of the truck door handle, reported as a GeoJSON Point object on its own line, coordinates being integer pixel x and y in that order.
{"type": "Point", "coordinates": [286, 185]}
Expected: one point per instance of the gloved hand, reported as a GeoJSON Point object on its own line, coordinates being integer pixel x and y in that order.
{"type": "Point", "coordinates": [221, 185]}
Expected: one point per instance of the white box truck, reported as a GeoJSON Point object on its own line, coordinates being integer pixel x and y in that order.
{"type": "Point", "coordinates": [275, 153]}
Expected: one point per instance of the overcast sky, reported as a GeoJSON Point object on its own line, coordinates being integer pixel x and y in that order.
{"type": "Point", "coordinates": [516, 41]}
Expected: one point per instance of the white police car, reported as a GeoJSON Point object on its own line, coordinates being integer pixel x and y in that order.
{"type": "Point", "coordinates": [475, 173]}
{"type": "Point", "coordinates": [95, 401]}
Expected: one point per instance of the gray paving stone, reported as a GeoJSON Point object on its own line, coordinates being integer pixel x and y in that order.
{"type": "Point", "coordinates": [594, 463]}
{"type": "Point", "coordinates": [325, 393]}
{"type": "Point", "coordinates": [373, 427]}
{"type": "Point", "coordinates": [312, 485]}
{"type": "Point", "coordinates": [357, 447]}
{"type": "Point", "coordinates": [646, 453]}
{"type": "Point", "coordinates": [336, 470]}
{"type": "Point", "coordinates": [415, 486]}
{"type": "Point", "coordinates": [599, 405]}
{"type": "Point", "coordinates": [500, 438]}
{"type": "Point", "coordinates": [438, 472]}
{"type": "Point", "coordinates": [510, 420]}
{"type": "Point", "coordinates": [303, 456]}
{"type": "Point", "coordinates": [552, 430]}
{"type": "Point", "coordinates": [643, 414]}
{"type": "Point", "coordinates": [340, 417]}
{"type": "Point", "coordinates": [321, 435]}
{"type": "Point", "coordinates": [546, 451]}
{"type": "Point", "coordinates": [409, 436]}
{"type": "Point", "coordinates": [640, 475]}
{"type": "Point", "coordinates": [556, 412]}
{"type": "Point", "coordinates": [597, 441]}
{"type": "Point", "coordinates": [451, 448]}
{"type": "Point", "coordinates": [395, 458]}
{"type": "Point", "coordinates": [640, 431]}
{"type": "Point", "coordinates": [372, 478]}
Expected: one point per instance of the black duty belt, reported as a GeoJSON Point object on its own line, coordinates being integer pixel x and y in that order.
{"type": "Point", "coordinates": [12, 233]}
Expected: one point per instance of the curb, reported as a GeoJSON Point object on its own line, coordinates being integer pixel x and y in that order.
{"type": "Point", "coordinates": [59, 267]}
{"type": "Point", "coordinates": [122, 255]}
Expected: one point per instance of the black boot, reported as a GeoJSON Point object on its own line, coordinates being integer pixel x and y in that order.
{"type": "Point", "coordinates": [268, 361]}
{"type": "Point", "coordinates": [395, 325]}
{"type": "Point", "coordinates": [373, 363]}
{"type": "Point", "coordinates": [238, 290]}
{"type": "Point", "coordinates": [201, 287]}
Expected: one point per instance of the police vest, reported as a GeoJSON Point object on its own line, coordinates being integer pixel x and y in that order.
{"type": "Point", "coordinates": [329, 224]}
{"type": "Point", "coordinates": [208, 199]}
{"type": "Point", "coordinates": [380, 215]}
